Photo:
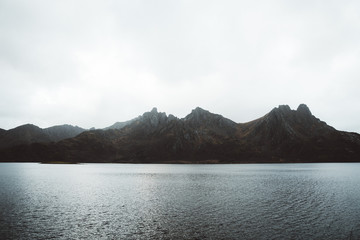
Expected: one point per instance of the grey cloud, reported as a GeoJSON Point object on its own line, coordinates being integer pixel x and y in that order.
{"type": "Point", "coordinates": [106, 61]}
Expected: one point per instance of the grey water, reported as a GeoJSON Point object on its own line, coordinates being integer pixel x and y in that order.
{"type": "Point", "coordinates": [160, 201]}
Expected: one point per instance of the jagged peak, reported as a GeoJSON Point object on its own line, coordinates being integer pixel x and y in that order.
{"type": "Point", "coordinates": [154, 118]}
{"type": "Point", "coordinates": [199, 109]}
{"type": "Point", "coordinates": [198, 113]}
{"type": "Point", "coordinates": [303, 109]}
{"type": "Point", "coordinates": [154, 112]}
{"type": "Point", "coordinates": [283, 117]}
{"type": "Point", "coordinates": [285, 110]}
{"type": "Point", "coordinates": [200, 117]}
{"type": "Point", "coordinates": [172, 117]}
{"type": "Point", "coordinates": [282, 108]}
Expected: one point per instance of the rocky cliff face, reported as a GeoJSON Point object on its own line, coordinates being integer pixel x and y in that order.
{"type": "Point", "coordinates": [282, 135]}
{"type": "Point", "coordinates": [156, 136]}
{"type": "Point", "coordinates": [298, 135]}
{"type": "Point", "coordinates": [203, 120]}
{"type": "Point", "coordinates": [283, 124]}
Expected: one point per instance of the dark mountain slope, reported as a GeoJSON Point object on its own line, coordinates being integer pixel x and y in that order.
{"type": "Point", "coordinates": [156, 137]}
{"type": "Point", "coordinates": [298, 136]}
{"type": "Point", "coordinates": [193, 138]}
{"type": "Point", "coordinates": [120, 125]}
{"type": "Point", "coordinates": [24, 134]}
{"type": "Point", "coordinates": [57, 133]}
{"type": "Point", "coordinates": [152, 137]}
{"type": "Point", "coordinates": [282, 135]}
{"type": "Point", "coordinates": [201, 119]}
{"type": "Point", "coordinates": [27, 134]}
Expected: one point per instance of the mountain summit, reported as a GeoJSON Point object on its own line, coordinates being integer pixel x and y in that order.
{"type": "Point", "coordinates": [29, 133]}
{"type": "Point", "coordinates": [203, 119]}
{"type": "Point", "coordinates": [282, 135]}
{"type": "Point", "coordinates": [303, 109]}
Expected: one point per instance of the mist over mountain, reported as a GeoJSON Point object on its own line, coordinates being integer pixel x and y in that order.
{"type": "Point", "coordinates": [119, 125]}
{"type": "Point", "coordinates": [282, 135]}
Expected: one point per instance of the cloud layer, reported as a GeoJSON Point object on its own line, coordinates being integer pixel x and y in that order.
{"type": "Point", "coordinates": [92, 63]}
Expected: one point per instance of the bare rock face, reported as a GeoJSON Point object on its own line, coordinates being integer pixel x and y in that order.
{"type": "Point", "coordinates": [201, 119]}
{"type": "Point", "coordinates": [303, 110]}
{"type": "Point", "coordinates": [282, 135]}
{"type": "Point", "coordinates": [297, 135]}
{"type": "Point", "coordinates": [148, 123]}
{"type": "Point", "coordinates": [153, 118]}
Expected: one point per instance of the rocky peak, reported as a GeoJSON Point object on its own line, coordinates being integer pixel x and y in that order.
{"type": "Point", "coordinates": [198, 114]}
{"type": "Point", "coordinates": [200, 118]}
{"type": "Point", "coordinates": [172, 118]}
{"type": "Point", "coordinates": [303, 109]}
{"type": "Point", "coordinates": [283, 123]}
{"type": "Point", "coordinates": [199, 109]}
{"type": "Point", "coordinates": [153, 118]}
{"type": "Point", "coordinates": [280, 123]}
{"type": "Point", "coordinates": [280, 113]}
{"type": "Point", "coordinates": [283, 113]}
{"type": "Point", "coordinates": [154, 110]}
{"type": "Point", "coordinates": [305, 117]}
{"type": "Point", "coordinates": [282, 109]}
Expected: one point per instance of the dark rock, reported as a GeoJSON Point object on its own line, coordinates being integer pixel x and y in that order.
{"type": "Point", "coordinates": [29, 133]}
{"type": "Point", "coordinates": [282, 135]}
{"type": "Point", "coordinates": [2, 131]}
{"type": "Point", "coordinates": [303, 109]}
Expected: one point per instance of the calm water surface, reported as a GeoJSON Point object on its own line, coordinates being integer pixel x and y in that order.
{"type": "Point", "coordinates": [125, 201]}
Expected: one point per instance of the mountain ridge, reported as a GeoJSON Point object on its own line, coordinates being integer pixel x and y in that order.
{"type": "Point", "coordinates": [30, 133]}
{"type": "Point", "coordinates": [282, 135]}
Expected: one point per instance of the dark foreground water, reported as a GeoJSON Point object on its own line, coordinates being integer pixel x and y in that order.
{"type": "Point", "coordinates": [124, 201]}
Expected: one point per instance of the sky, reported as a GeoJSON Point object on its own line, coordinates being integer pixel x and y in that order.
{"type": "Point", "coordinates": [92, 63]}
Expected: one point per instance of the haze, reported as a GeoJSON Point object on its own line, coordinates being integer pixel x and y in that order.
{"type": "Point", "coordinates": [92, 63]}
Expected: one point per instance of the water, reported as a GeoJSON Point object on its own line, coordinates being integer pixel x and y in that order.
{"type": "Point", "coordinates": [125, 201]}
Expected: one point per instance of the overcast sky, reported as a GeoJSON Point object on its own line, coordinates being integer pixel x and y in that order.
{"type": "Point", "coordinates": [92, 63]}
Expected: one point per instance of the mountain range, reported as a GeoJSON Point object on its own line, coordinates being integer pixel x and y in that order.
{"type": "Point", "coordinates": [28, 133]}
{"type": "Point", "coordinates": [282, 135]}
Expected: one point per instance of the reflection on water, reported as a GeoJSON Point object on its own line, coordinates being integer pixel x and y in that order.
{"type": "Point", "coordinates": [158, 201]}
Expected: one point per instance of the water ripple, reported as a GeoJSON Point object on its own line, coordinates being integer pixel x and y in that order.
{"type": "Point", "coordinates": [124, 201]}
